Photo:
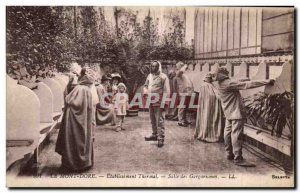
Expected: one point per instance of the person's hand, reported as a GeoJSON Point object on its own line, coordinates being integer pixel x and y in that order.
{"type": "Point", "coordinates": [145, 92]}
{"type": "Point", "coordinates": [244, 79]}
{"type": "Point", "coordinates": [166, 106]}
{"type": "Point", "coordinates": [271, 82]}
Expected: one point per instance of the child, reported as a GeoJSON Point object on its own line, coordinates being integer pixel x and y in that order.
{"type": "Point", "coordinates": [121, 105]}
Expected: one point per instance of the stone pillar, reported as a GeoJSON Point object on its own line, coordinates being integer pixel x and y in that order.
{"type": "Point", "coordinates": [242, 74]}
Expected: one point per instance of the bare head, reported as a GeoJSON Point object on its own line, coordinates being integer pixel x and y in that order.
{"type": "Point", "coordinates": [208, 78]}
{"type": "Point", "coordinates": [115, 80]}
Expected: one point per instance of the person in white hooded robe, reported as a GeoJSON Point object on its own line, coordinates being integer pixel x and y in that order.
{"type": "Point", "coordinates": [184, 88]}
{"type": "Point", "coordinates": [157, 84]}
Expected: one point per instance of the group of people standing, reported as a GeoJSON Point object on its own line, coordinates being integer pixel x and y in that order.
{"type": "Point", "coordinates": [178, 88]}
{"type": "Point", "coordinates": [216, 102]}
{"type": "Point", "coordinates": [114, 104]}
{"type": "Point", "coordinates": [88, 104]}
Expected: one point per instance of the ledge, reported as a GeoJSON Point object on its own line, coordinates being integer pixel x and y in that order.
{"type": "Point", "coordinates": [56, 115]}
{"type": "Point", "coordinates": [45, 127]}
{"type": "Point", "coordinates": [281, 144]}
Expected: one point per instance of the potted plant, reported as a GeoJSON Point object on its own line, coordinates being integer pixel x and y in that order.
{"type": "Point", "coordinates": [276, 109]}
{"type": "Point", "coordinates": [273, 110]}
{"type": "Point", "coordinates": [136, 81]}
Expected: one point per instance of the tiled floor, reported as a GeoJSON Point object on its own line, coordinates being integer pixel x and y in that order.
{"type": "Point", "coordinates": [126, 151]}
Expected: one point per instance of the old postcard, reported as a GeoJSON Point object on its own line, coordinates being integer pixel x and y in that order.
{"type": "Point", "coordinates": [134, 96]}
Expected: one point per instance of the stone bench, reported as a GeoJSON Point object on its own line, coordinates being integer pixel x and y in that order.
{"type": "Point", "coordinates": [240, 71]}
{"type": "Point", "coordinates": [281, 73]}
{"type": "Point", "coordinates": [284, 81]}
{"type": "Point", "coordinates": [45, 96]}
{"type": "Point", "coordinates": [31, 116]}
{"type": "Point", "coordinates": [61, 82]}
{"type": "Point", "coordinates": [196, 76]}
{"type": "Point", "coordinates": [62, 76]}
{"type": "Point", "coordinates": [51, 96]}
{"type": "Point", "coordinates": [199, 73]}
{"type": "Point", "coordinates": [23, 122]}
{"type": "Point", "coordinates": [190, 67]}
{"type": "Point", "coordinates": [58, 97]}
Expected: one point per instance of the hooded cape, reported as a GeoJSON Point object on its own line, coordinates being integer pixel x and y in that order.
{"type": "Point", "coordinates": [209, 115]}
{"type": "Point", "coordinates": [74, 142]}
{"type": "Point", "coordinates": [104, 110]}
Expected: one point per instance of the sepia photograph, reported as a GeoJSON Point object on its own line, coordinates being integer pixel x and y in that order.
{"type": "Point", "coordinates": [150, 96]}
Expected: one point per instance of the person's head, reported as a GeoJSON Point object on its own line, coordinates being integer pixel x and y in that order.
{"type": "Point", "coordinates": [75, 68]}
{"type": "Point", "coordinates": [220, 73]}
{"type": "Point", "coordinates": [179, 65]}
{"type": "Point", "coordinates": [82, 73]}
{"type": "Point", "coordinates": [154, 67]}
{"type": "Point", "coordinates": [105, 80]}
{"type": "Point", "coordinates": [121, 88]}
{"type": "Point", "coordinates": [208, 78]}
{"type": "Point", "coordinates": [116, 78]}
{"type": "Point", "coordinates": [171, 74]}
{"type": "Point", "coordinates": [145, 69]}
{"type": "Point", "coordinates": [87, 76]}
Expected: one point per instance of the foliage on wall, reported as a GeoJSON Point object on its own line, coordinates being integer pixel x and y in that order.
{"type": "Point", "coordinates": [50, 36]}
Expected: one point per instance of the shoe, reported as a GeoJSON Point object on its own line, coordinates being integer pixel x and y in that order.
{"type": "Point", "coordinates": [113, 124]}
{"type": "Point", "coordinates": [182, 124]}
{"type": "Point", "coordinates": [243, 163]}
{"type": "Point", "coordinates": [230, 157]}
{"type": "Point", "coordinates": [239, 159]}
{"type": "Point", "coordinates": [123, 128]}
{"type": "Point", "coordinates": [118, 129]}
{"type": "Point", "coordinates": [160, 143]}
{"type": "Point", "coordinates": [151, 138]}
{"type": "Point", "coordinates": [187, 122]}
{"type": "Point", "coordinates": [175, 118]}
{"type": "Point", "coordinates": [169, 117]}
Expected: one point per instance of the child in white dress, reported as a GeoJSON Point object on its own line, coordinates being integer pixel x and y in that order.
{"type": "Point", "coordinates": [121, 105]}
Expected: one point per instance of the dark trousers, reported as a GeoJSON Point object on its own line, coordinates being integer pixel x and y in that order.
{"type": "Point", "coordinates": [157, 121]}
